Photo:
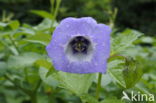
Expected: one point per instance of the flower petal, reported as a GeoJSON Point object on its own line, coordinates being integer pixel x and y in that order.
{"type": "Point", "coordinates": [85, 67]}
{"type": "Point", "coordinates": [99, 34]}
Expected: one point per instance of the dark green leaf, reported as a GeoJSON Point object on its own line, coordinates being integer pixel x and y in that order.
{"type": "Point", "coordinates": [112, 100]}
{"type": "Point", "coordinates": [86, 98]}
{"type": "Point", "coordinates": [132, 73]}
{"type": "Point", "coordinates": [3, 68]}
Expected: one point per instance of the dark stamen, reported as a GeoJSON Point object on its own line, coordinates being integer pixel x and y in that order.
{"type": "Point", "coordinates": [80, 45]}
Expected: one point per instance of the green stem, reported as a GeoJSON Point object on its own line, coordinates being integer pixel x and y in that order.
{"type": "Point", "coordinates": [38, 85]}
{"type": "Point", "coordinates": [58, 2]}
{"type": "Point", "coordinates": [33, 95]}
{"type": "Point", "coordinates": [52, 5]}
{"type": "Point", "coordinates": [33, 98]}
{"type": "Point", "coordinates": [98, 86]}
{"type": "Point", "coordinates": [112, 18]}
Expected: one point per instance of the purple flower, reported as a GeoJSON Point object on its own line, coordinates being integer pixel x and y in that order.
{"type": "Point", "coordinates": [80, 45]}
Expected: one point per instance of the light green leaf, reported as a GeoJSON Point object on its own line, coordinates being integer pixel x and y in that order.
{"type": "Point", "coordinates": [114, 63]}
{"type": "Point", "coordinates": [27, 31]}
{"type": "Point", "coordinates": [46, 67]}
{"type": "Point", "coordinates": [41, 38]}
{"type": "Point", "coordinates": [48, 80]}
{"type": "Point", "coordinates": [124, 40]}
{"type": "Point", "coordinates": [147, 39]}
{"type": "Point", "coordinates": [46, 25]}
{"type": "Point", "coordinates": [46, 64]}
{"type": "Point", "coordinates": [42, 13]}
{"type": "Point", "coordinates": [115, 70]}
{"type": "Point", "coordinates": [14, 24]}
{"type": "Point", "coordinates": [24, 60]}
{"type": "Point", "coordinates": [76, 83]}
{"type": "Point", "coordinates": [117, 75]}
{"type": "Point", "coordinates": [106, 79]}
{"type": "Point", "coordinates": [43, 63]}
{"type": "Point", "coordinates": [3, 24]}
{"type": "Point", "coordinates": [142, 88]}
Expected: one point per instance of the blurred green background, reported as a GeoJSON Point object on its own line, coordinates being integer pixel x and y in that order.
{"type": "Point", "coordinates": [27, 74]}
{"type": "Point", "coordinates": [136, 14]}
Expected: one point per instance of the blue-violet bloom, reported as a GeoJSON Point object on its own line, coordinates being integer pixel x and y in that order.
{"type": "Point", "coordinates": [80, 45]}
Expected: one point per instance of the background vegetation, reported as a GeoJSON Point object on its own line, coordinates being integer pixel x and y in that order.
{"type": "Point", "coordinates": [27, 74]}
{"type": "Point", "coordinates": [137, 14]}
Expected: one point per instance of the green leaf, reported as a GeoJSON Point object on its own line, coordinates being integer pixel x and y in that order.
{"type": "Point", "coordinates": [86, 98]}
{"type": "Point", "coordinates": [117, 75]}
{"type": "Point", "coordinates": [115, 63]}
{"type": "Point", "coordinates": [48, 80]}
{"type": "Point", "coordinates": [26, 31]}
{"type": "Point", "coordinates": [46, 64]}
{"type": "Point", "coordinates": [44, 99]}
{"type": "Point", "coordinates": [106, 79]}
{"type": "Point", "coordinates": [24, 60]}
{"type": "Point", "coordinates": [46, 25]}
{"type": "Point", "coordinates": [3, 97]}
{"type": "Point", "coordinates": [3, 68]}
{"type": "Point", "coordinates": [125, 74]}
{"type": "Point", "coordinates": [142, 88]}
{"type": "Point", "coordinates": [3, 24]}
{"type": "Point", "coordinates": [132, 73]}
{"type": "Point", "coordinates": [124, 40]}
{"type": "Point", "coordinates": [147, 39]}
{"type": "Point", "coordinates": [42, 13]}
{"type": "Point", "coordinates": [43, 63]}
{"type": "Point", "coordinates": [112, 100]}
{"type": "Point", "coordinates": [14, 24]}
{"type": "Point", "coordinates": [76, 83]}
{"type": "Point", "coordinates": [41, 38]}
{"type": "Point", "coordinates": [115, 69]}
{"type": "Point", "coordinates": [10, 96]}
